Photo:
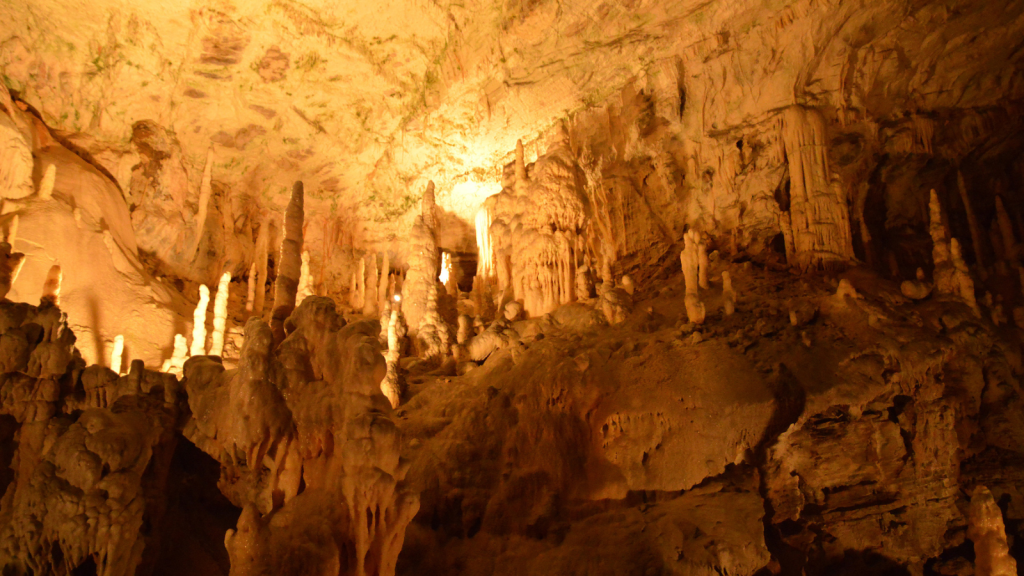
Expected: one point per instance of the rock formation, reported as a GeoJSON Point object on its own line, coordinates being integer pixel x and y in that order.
{"type": "Point", "coordinates": [591, 407]}
{"type": "Point", "coordinates": [290, 265]}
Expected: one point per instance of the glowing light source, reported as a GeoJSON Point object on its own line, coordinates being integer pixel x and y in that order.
{"type": "Point", "coordinates": [398, 297]}
{"type": "Point", "coordinates": [446, 267]}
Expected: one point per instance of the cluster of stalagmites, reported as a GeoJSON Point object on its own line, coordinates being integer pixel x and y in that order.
{"type": "Point", "coordinates": [299, 426]}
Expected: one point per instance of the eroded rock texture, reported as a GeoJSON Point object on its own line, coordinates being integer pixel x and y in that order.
{"type": "Point", "coordinates": [667, 287]}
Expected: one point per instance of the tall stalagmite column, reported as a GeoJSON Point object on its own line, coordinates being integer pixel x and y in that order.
{"type": "Point", "coordinates": [985, 527]}
{"type": "Point", "coordinates": [423, 264]}
{"type": "Point", "coordinates": [290, 265]}
{"type": "Point", "coordinates": [818, 212]}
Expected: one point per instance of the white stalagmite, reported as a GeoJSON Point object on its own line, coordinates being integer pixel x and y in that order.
{"type": "Point", "coordinates": [174, 364]}
{"type": "Point", "coordinates": [116, 353]}
{"type": "Point", "coordinates": [389, 386]}
{"type": "Point", "coordinates": [305, 280]}
{"type": "Point", "coordinates": [485, 252]}
{"type": "Point", "coordinates": [199, 323]}
{"type": "Point", "coordinates": [728, 294]}
{"type": "Point", "coordinates": [220, 315]}
{"type": "Point", "coordinates": [205, 190]}
{"type": "Point", "coordinates": [253, 275]}
{"type": "Point", "coordinates": [46, 184]}
{"type": "Point", "coordinates": [986, 529]}
{"type": "Point", "coordinates": [51, 288]}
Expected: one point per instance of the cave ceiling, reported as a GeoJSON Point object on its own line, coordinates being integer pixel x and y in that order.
{"type": "Point", "coordinates": [367, 101]}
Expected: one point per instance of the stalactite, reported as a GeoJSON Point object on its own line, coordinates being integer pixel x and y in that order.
{"type": "Point", "coordinates": [819, 216]}
{"type": "Point", "coordinates": [47, 182]}
{"type": "Point", "coordinates": [251, 294]}
{"type": "Point", "coordinates": [205, 190]}
{"type": "Point", "coordinates": [220, 315]}
{"type": "Point", "coordinates": [199, 323]}
{"type": "Point", "coordinates": [972, 221]}
{"type": "Point", "coordinates": [290, 265]}
{"type": "Point", "coordinates": [116, 353]}
{"type": "Point", "coordinates": [51, 288]}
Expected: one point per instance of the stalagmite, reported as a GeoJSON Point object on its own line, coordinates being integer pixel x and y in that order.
{"type": "Point", "coordinates": [964, 282]}
{"type": "Point", "coordinates": [115, 354]}
{"type": "Point", "coordinates": [10, 265]}
{"type": "Point", "coordinates": [205, 190]}
{"type": "Point", "coordinates": [728, 294]}
{"type": "Point", "coordinates": [179, 354]}
{"type": "Point", "coordinates": [262, 242]}
{"type": "Point", "coordinates": [584, 285]}
{"type": "Point", "coordinates": [199, 323]}
{"type": "Point", "coordinates": [986, 529]}
{"type": "Point", "coordinates": [702, 263]}
{"type": "Point", "coordinates": [972, 221]}
{"type": "Point", "coordinates": [690, 261]}
{"type": "Point", "coordinates": [485, 266]}
{"type": "Point", "coordinates": [950, 274]}
{"type": "Point", "coordinates": [370, 298]}
{"type": "Point", "coordinates": [51, 288]}
{"type": "Point", "coordinates": [305, 280]}
{"type": "Point", "coordinates": [12, 229]}
{"type": "Point", "coordinates": [46, 184]}
{"type": "Point", "coordinates": [290, 265]}
{"type": "Point", "coordinates": [357, 294]}
{"type": "Point", "coordinates": [465, 331]}
{"type": "Point", "coordinates": [220, 315]}
{"type": "Point", "coordinates": [253, 279]}
{"type": "Point", "coordinates": [818, 214]}
{"type": "Point", "coordinates": [385, 280]}
{"type": "Point", "coordinates": [423, 264]}
{"type": "Point", "coordinates": [1005, 226]}
{"type": "Point", "coordinates": [390, 385]}
{"type": "Point", "coordinates": [627, 284]}
{"type": "Point", "coordinates": [918, 289]}
{"type": "Point", "coordinates": [521, 178]}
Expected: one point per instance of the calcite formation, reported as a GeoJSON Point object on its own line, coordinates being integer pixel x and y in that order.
{"type": "Point", "coordinates": [743, 272]}
{"type": "Point", "coordinates": [287, 283]}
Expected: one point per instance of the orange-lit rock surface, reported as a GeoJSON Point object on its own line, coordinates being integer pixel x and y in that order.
{"type": "Point", "coordinates": [576, 287]}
